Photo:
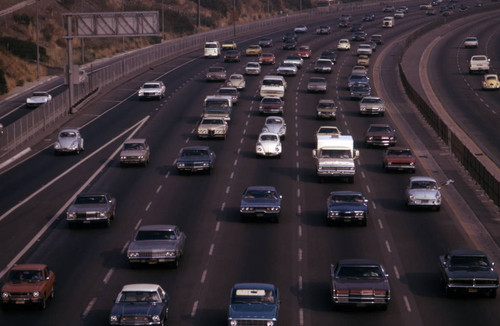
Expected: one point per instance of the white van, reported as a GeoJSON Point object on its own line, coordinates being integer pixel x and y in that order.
{"type": "Point", "coordinates": [212, 49]}
{"type": "Point", "coordinates": [388, 22]}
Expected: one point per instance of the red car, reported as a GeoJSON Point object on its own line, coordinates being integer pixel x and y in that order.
{"type": "Point", "coordinates": [400, 159]}
{"type": "Point", "coordinates": [29, 283]}
{"type": "Point", "coordinates": [267, 59]}
{"type": "Point", "coordinates": [304, 51]}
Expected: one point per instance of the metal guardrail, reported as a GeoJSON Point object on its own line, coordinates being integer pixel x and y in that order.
{"type": "Point", "coordinates": [43, 118]}
{"type": "Point", "coordinates": [478, 166]}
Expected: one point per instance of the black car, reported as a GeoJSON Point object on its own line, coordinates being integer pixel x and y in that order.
{"type": "Point", "coordinates": [290, 35]}
{"type": "Point", "coordinates": [330, 55]}
{"type": "Point", "coordinates": [356, 27]}
{"type": "Point", "coordinates": [261, 202]}
{"type": "Point", "coordinates": [360, 90]}
{"type": "Point", "coordinates": [266, 42]}
{"type": "Point", "coordinates": [323, 30]}
{"type": "Point", "coordinates": [140, 304]}
{"type": "Point", "coordinates": [359, 36]}
{"type": "Point", "coordinates": [232, 56]}
{"type": "Point", "coordinates": [289, 44]}
{"type": "Point", "coordinates": [377, 38]}
{"type": "Point", "coordinates": [468, 271]}
{"type": "Point", "coordinates": [368, 17]}
{"type": "Point", "coordinates": [347, 206]}
{"type": "Point", "coordinates": [195, 159]}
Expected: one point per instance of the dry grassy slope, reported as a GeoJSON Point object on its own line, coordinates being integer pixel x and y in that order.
{"type": "Point", "coordinates": [17, 71]}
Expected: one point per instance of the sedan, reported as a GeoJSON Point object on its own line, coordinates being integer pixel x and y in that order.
{"type": "Point", "coordinates": [287, 69]}
{"type": "Point", "coordinates": [423, 192]}
{"type": "Point", "coordinates": [237, 80]}
{"type": "Point", "coordinates": [232, 56]}
{"type": "Point", "coordinates": [360, 283]}
{"type": "Point", "coordinates": [377, 38]}
{"type": "Point", "coordinates": [323, 65]}
{"type": "Point", "coordinates": [304, 51]}
{"type": "Point", "coordinates": [316, 84]}
{"type": "Point", "coordinates": [276, 125]}
{"type": "Point", "coordinates": [357, 78]}
{"type": "Point", "coordinates": [68, 141]}
{"type": "Point", "coordinates": [364, 48]}
{"type": "Point", "coordinates": [363, 60]}
{"type": "Point", "coordinates": [195, 159]}
{"type": "Point", "coordinates": [289, 44]}
{"type": "Point", "coordinates": [379, 134]}
{"type": "Point", "coordinates": [38, 98]}
{"type": "Point", "coordinates": [254, 49]}
{"type": "Point", "coordinates": [252, 68]}
{"type": "Point", "coordinates": [154, 244]}
{"type": "Point", "coordinates": [135, 151]}
{"type": "Point", "coordinates": [300, 29]}
{"type": "Point", "coordinates": [360, 90]}
{"type": "Point", "coordinates": [266, 42]}
{"type": "Point", "coordinates": [400, 159]}
{"type": "Point", "coordinates": [491, 82]}
{"type": "Point", "coordinates": [267, 59]}
{"type": "Point", "coordinates": [344, 45]}
{"type": "Point", "coordinates": [330, 55]}
{"type": "Point", "coordinates": [359, 36]}
{"type": "Point", "coordinates": [347, 207]}
{"type": "Point", "coordinates": [323, 30]}
{"type": "Point", "coordinates": [268, 144]}
{"type": "Point", "coordinates": [261, 201]}
{"type": "Point", "coordinates": [271, 105]}
{"type": "Point", "coordinates": [295, 60]}
{"type": "Point", "coordinates": [145, 304]}
{"type": "Point", "coordinates": [155, 89]}
{"type": "Point", "coordinates": [471, 42]}
{"type": "Point", "coordinates": [90, 208]}
{"type": "Point", "coordinates": [230, 91]}
{"type": "Point", "coordinates": [372, 105]}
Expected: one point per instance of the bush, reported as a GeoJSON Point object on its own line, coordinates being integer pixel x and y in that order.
{"type": "Point", "coordinates": [177, 23]}
{"type": "Point", "coordinates": [23, 49]}
{"type": "Point", "coordinates": [24, 19]}
{"type": "Point", "coordinates": [3, 83]}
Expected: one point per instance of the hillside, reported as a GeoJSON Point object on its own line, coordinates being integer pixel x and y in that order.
{"type": "Point", "coordinates": [18, 32]}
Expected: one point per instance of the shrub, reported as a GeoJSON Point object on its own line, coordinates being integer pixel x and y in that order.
{"type": "Point", "coordinates": [4, 89]}
{"type": "Point", "coordinates": [24, 19]}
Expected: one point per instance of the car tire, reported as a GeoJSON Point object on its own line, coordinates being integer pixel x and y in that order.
{"type": "Point", "coordinates": [52, 294]}
{"type": "Point", "coordinates": [364, 222]}
{"type": "Point", "coordinates": [175, 264]}
{"type": "Point", "coordinates": [107, 223]}
{"type": "Point", "coordinates": [350, 179]}
{"type": "Point", "coordinates": [43, 304]}
{"type": "Point", "coordinates": [276, 219]}
{"type": "Point", "coordinates": [492, 294]}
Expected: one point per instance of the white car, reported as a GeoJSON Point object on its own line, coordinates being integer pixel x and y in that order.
{"type": "Point", "coordinates": [364, 48]}
{"type": "Point", "coordinates": [490, 81]}
{"type": "Point", "coordinates": [287, 69]}
{"type": "Point", "coordinates": [275, 124]}
{"type": "Point", "coordinates": [154, 89]}
{"type": "Point", "coordinates": [344, 45]}
{"type": "Point", "coordinates": [300, 29]}
{"type": "Point", "coordinates": [268, 144]}
{"type": "Point", "coordinates": [38, 98]}
{"type": "Point", "coordinates": [237, 80]}
{"type": "Point", "coordinates": [423, 192]}
{"type": "Point", "coordinates": [399, 14]}
{"type": "Point", "coordinates": [69, 141]}
{"type": "Point", "coordinates": [252, 68]}
{"type": "Point", "coordinates": [471, 42]}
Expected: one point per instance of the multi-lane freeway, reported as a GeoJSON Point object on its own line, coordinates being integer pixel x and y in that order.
{"type": "Point", "coordinates": [221, 250]}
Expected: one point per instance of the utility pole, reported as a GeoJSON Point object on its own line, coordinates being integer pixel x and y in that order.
{"type": "Point", "coordinates": [37, 44]}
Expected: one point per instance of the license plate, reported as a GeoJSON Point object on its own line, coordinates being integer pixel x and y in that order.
{"type": "Point", "coordinates": [472, 290]}
{"type": "Point", "coordinates": [20, 302]}
{"type": "Point", "coordinates": [86, 222]}
{"type": "Point", "coordinates": [259, 214]}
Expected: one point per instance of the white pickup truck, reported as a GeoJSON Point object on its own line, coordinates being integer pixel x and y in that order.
{"type": "Point", "coordinates": [479, 64]}
{"type": "Point", "coordinates": [273, 85]}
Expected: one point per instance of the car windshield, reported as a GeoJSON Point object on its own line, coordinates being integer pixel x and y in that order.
{"type": "Point", "coordinates": [268, 138]}
{"type": "Point", "coordinates": [214, 103]}
{"type": "Point", "coordinates": [266, 55]}
{"type": "Point", "coordinates": [255, 193]}
{"type": "Point", "coordinates": [469, 261]}
{"type": "Point", "coordinates": [67, 134]}
{"type": "Point", "coordinates": [150, 86]}
{"type": "Point", "coordinates": [30, 276]}
{"type": "Point", "coordinates": [479, 58]}
{"type": "Point", "coordinates": [317, 80]}
{"type": "Point", "coordinates": [40, 94]}
{"type": "Point", "coordinates": [156, 235]}
{"type": "Point", "coordinates": [139, 296]}
{"type": "Point", "coordinates": [372, 272]}
{"type": "Point", "coordinates": [491, 78]}
{"type": "Point", "coordinates": [344, 198]}
{"type": "Point", "coordinates": [212, 122]}
{"type": "Point", "coordinates": [328, 130]}
{"type": "Point", "coordinates": [227, 91]}
{"type": "Point", "coordinates": [405, 152]}
{"type": "Point", "coordinates": [271, 100]}
{"type": "Point", "coordinates": [194, 152]}
{"type": "Point", "coordinates": [334, 153]}
{"type": "Point", "coordinates": [323, 63]}
{"type": "Point", "coordinates": [233, 77]}
{"type": "Point", "coordinates": [252, 65]}
{"type": "Point", "coordinates": [272, 121]}
{"type": "Point", "coordinates": [371, 100]}
{"type": "Point", "coordinates": [325, 105]}
{"type": "Point", "coordinates": [210, 45]}
{"type": "Point", "coordinates": [386, 129]}
{"type": "Point", "coordinates": [423, 185]}
{"type": "Point", "coordinates": [133, 146]}
{"type": "Point", "coordinates": [249, 296]}
{"type": "Point", "coordinates": [272, 82]}
{"type": "Point", "coordinates": [90, 200]}
{"type": "Point", "coordinates": [216, 69]}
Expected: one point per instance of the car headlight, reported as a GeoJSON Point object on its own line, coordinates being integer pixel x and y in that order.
{"type": "Point", "coordinates": [270, 323]}
{"type": "Point", "coordinates": [156, 318]}
{"type": "Point", "coordinates": [36, 294]}
{"type": "Point", "coordinates": [132, 254]}
{"type": "Point", "coordinates": [411, 197]}
{"type": "Point", "coordinates": [123, 157]}
{"type": "Point", "coordinates": [234, 323]}
{"type": "Point", "coordinates": [181, 165]}
{"type": "Point", "coordinates": [278, 149]}
{"type": "Point", "coordinates": [73, 145]}
{"type": "Point", "coordinates": [5, 295]}
{"type": "Point", "coordinates": [170, 254]}
{"type": "Point", "coordinates": [57, 145]}
{"type": "Point", "coordinates": [206, 164]}
{"type": "Point", "coordinates": [71, 215]}
{"type": "Point", "coordinates": [140, 157]}
{"type": "Point", "coordinates": [113, 318]}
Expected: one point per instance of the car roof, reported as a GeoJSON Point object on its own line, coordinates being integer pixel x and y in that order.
{"type": "Point", "coordinates": [140, 287]}
{"type": "Point", "coordinates": [195, 148]}
{"type": "Point", "coordinates": [265, 286]}
{"type": "Point", "coordinates": [28, 267]}
{"type": "Point", "coordinates": [466, 252]}
{"type": "Point", "coordinates": [261, 188]}
{"type": "Point", "coordinates": [358, 261]}
{"type": "Point", "coordinates": [69, 129]}
{"type": "Point", "coordinates": [156, 227]}
{"type": "Point", "coordinates": [422, 178]}
{"type": "Point", "coordinates": [346, 192]}
{"type": "Point", "coordinates": [135, 140]}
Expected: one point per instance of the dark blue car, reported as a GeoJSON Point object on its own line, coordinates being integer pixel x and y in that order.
{"type": "Point", "coordinates": [254, 304]}
{"type": "Point", "coordinates": [348, 207]}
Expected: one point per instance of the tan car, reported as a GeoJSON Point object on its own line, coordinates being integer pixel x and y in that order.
{"type": "Point", "coordinates": [254, 49]}
{"type": "Point", "coordinates": [212, 128]}
{"type": "Point", "coordinates": [29, 283]}
{"type": "Point", "coordinates": [363, 60]}
{"type": "Point", "coordinates": [491, 82]}
{"type": "Point", "coordinates": [135, 151]}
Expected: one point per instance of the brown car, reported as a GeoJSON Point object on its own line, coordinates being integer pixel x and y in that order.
{"type": "Point", "coordinates": [379, 134]}
{"type": "Point", "coordinates": [400, 159]}
{"type": "Point", "coordinates": [29, 283]}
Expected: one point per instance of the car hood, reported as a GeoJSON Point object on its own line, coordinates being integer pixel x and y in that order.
{"type": "Point", "coordinates": [154, 245]}
{"type": "Point", "coordinates": [137, 309]}
{"type": "Point", "coordinates": [361, 284]}
{"type": "Point", "coordinates": [66, 142]}
{"type": "Point", "coordinates": [133, 152]}
{"type": "Point", "coordinates": [38, 99]}
{"type": "Point", "coordinates": [253, 311]}
{"type": "Point", "coordinates": [275, 128]}
{"type": "Point", "coordinates": [399, 158]}
{"type": "Point", "coordinates": [255, 202]}
{"type": "Point", "coordinates": [380, 134]}
{"type": "Point", "coordinates": [88, 208]}
{"type": "Point", "coordinates": [424, 193]}
{"type": "Point", "coordinates": [22, 286]}
{"type": "Point", "coordinates": [269, 146]}
{"type": "Point", "coordinates": [191, 159]}
{"type": "Point", "coordinates": [347, 206]}
{"type": "Point", "coordinates": [472, 272]}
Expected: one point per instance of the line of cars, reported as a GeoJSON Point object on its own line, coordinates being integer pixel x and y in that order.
{"type": "Point", "coordinates": [480, 63]}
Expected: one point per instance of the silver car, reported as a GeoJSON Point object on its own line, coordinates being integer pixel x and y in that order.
{"type": "Point", "coordinates": [252, 68]}
{"type": "Point", "coordinates": [38, 98]}
{"type": "Point", "coordinates": [268, 144]}
{"type": "Point", "coordinates": [287, 69]}
{"type": "Point", "coordinates": [237, 80]}
{"type": "Point", "coordinates": [135, 151]}
{"type": "Point", "coordinates": [155, 244]}
{"type": "Point", "coordinates": [68, 141]}
{"type": "Point", "coordinates": [275, 124]}
{"type": "Point", "coordinates": [91, 208]}
{"type": "Point", "coordinates": [316, 84]}
{"type": "Point", "coordinates": [154, 89]}
{"type": "Point", "coordinates": [423, 192]}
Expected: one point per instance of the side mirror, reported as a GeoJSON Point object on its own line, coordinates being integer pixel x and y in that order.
{"type": "Point", "coordinates": [356, 153]}
{"type": "Point", "coordinates": [314, 153]}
